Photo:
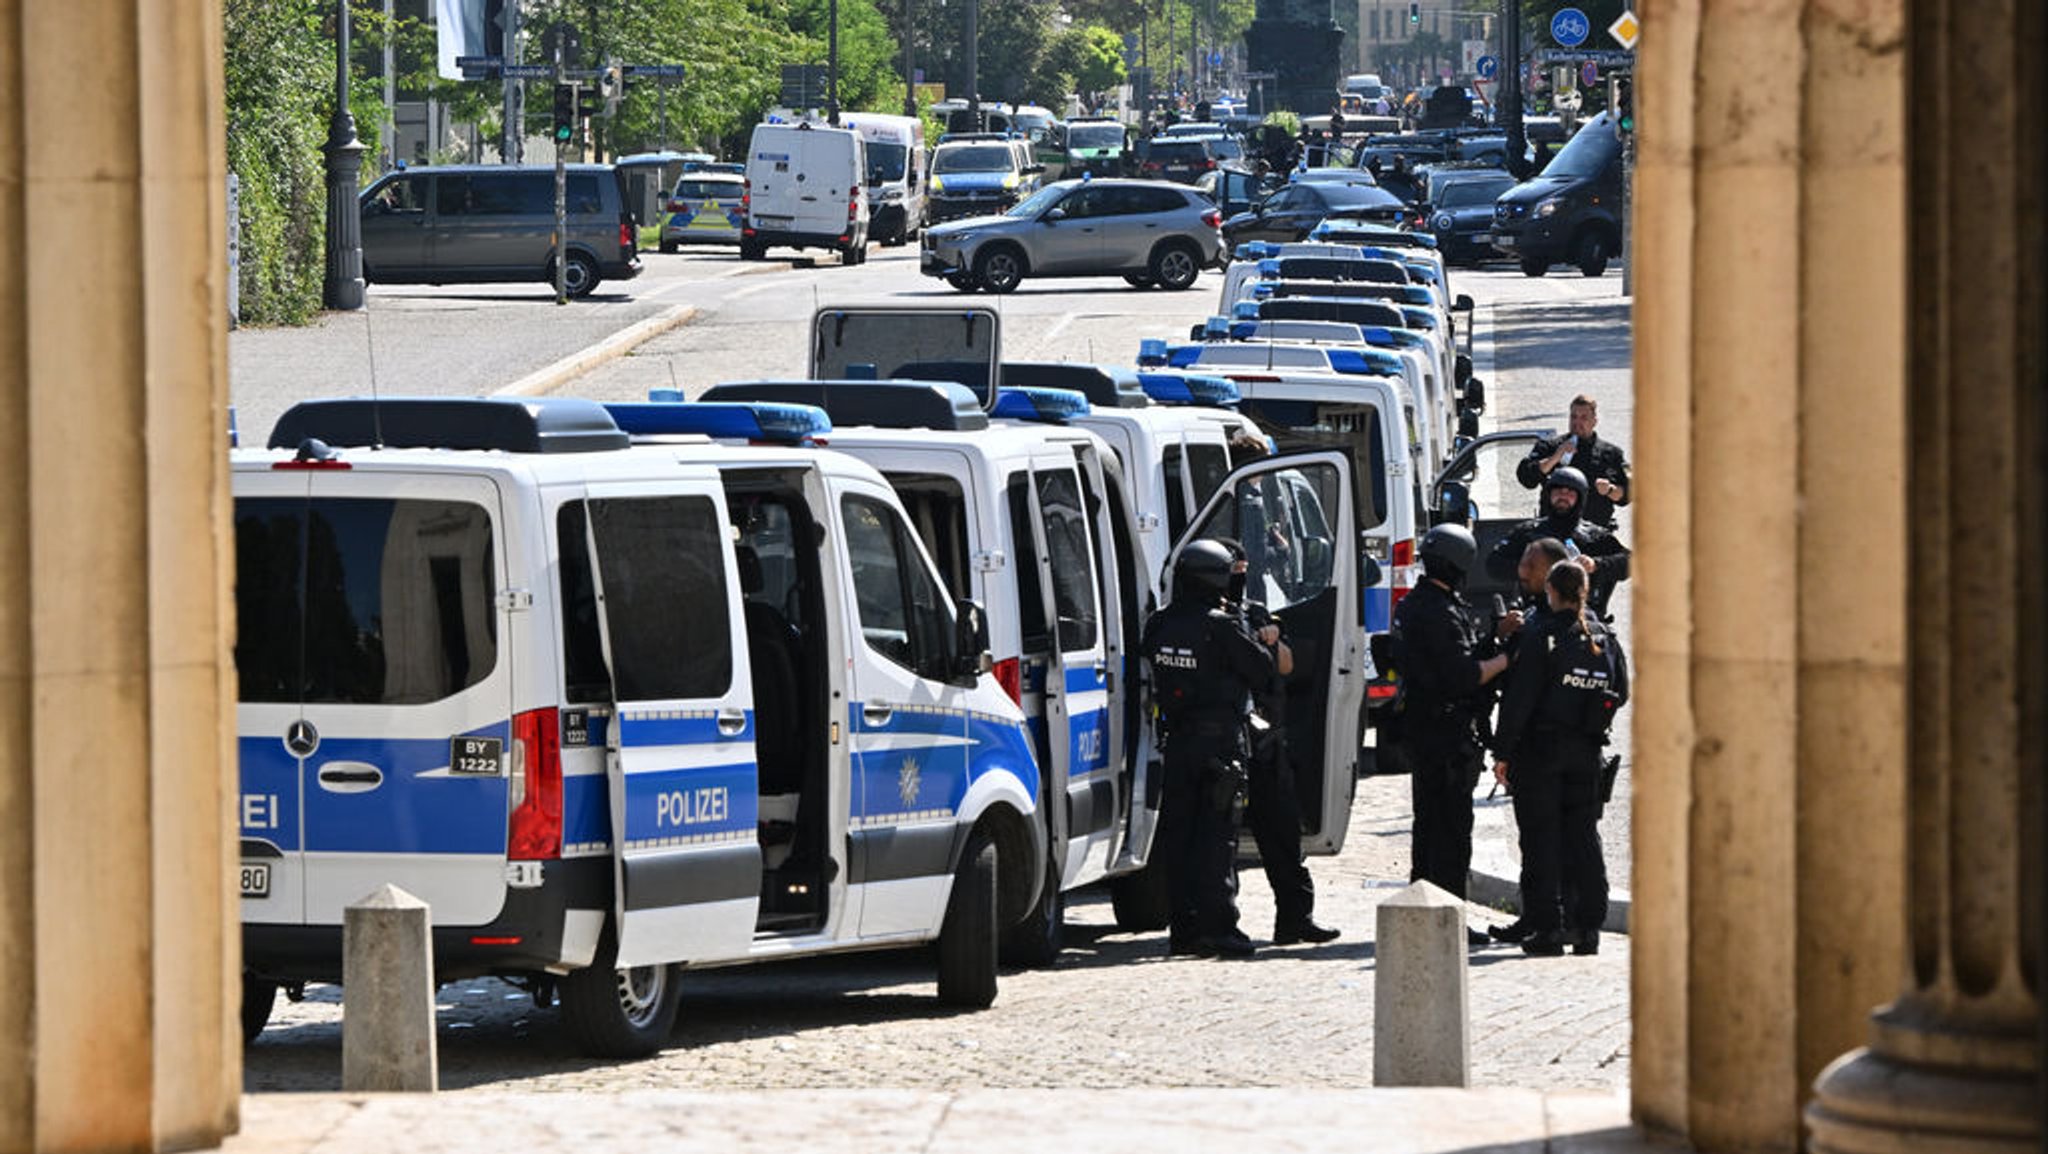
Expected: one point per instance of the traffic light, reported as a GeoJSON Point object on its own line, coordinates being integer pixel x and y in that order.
{"type": "Point", "coordinates": [1414, 12]}
{"type": "Point", "coordinates": [588, 103]}
{"type": "Point", "coordinates": [565, 112]}
{"type": "Point", "coordinates": [1622, 102]}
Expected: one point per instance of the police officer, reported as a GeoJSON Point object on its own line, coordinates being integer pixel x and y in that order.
{"type": "Point", "coordinates": [1204, 669]}
{"type": "Point", "coordinates": [1602, 463]}
{"type": "Point", "coordinates": [1569, 678]}
{"type": "Point", "coordinates": [1437, 716]}
{"type": "Point", "coordinates": [1597, 550]}
{"type": "Point", "coordinates": [1272, 808]}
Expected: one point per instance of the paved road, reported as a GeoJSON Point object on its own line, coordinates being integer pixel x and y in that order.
{"type": "Point", "coordinates": [1114, 1012]}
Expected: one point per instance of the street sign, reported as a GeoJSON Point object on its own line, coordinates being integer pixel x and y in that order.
{"type": "Point", "coordinates": [1589, 74]}
{"type": "Point", "coordinates": [1608, 58]}
{"type": "Point", "coordinates": [1570, 27]}
{"type": "Point", "coordinates": [1626, 30]}
{"type": "Point", "coordinates": [1215, 60]}
{"type": "Point", "coordinates": [658, 71]}
{"type": "Point", "coordinates": [479, 63]}
{"type": "Point", "coordinates": [528, 71]}
{"type": "Point", "coordinates": [1488, 66]}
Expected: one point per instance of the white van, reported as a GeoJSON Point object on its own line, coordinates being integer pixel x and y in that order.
{"type": "Point", "coordinates": [897, 169]}
{"type": "Point", "coordinates": [611, 710]}
{"type": "Point", "coordinates": [806, 188]}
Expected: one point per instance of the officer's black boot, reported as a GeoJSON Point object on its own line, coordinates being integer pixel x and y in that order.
{"type": "Point", "coordinates": [1586, 942]}
{"type": "Point", "coordinates": [1297, 930]}
{"type": "Point", "coordinates": [1514, 933]}
{"type": "Point", "coordinates": [1546, 943]}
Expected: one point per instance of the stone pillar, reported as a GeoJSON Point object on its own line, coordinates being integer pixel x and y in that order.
{"type": "Point", "coordinates": [1770, 577]}
{"type": "Point", "coordinates": [1955, 1061]}
{"type": "Point", "coordinates": [117, 921]}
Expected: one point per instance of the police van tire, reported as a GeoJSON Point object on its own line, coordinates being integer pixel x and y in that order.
{"type": "Point", "coordinates": [967, 938]}
{"type": "Point", "coordinates": [669, 247]}
{"type": "Point", "coordinates": [749, 250]}
{"type": "Point", "coordinates": [1035, 942]}
{"type": "Point", "coordinates": [259, 996]}
{"type": "Point", "coordinates": [611, 1013]}
{"type": "Point", "coordinates": [1589, 252]}
{"type": "Point", "coordinates": [1533, 266]}
{"type": "Point", "coordinates": [1139, 900]}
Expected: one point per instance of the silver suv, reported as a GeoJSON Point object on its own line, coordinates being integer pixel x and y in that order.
{"type": "Point", "coordinates": [1148, 231]}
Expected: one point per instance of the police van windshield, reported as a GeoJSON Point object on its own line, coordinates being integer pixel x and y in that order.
{"type": "Point", "coordinates": [975, 158]}
{"type": "Point", "coordinates": [885, 162]}
{"type": "Point", "coordinates": [1587, 154]}
{"type": "Point", "coordinates": [363, 601]}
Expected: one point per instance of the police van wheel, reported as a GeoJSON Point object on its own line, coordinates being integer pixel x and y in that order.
{"type": "Point", "coordinates": [259, 995]}
{"type": "Point", "coordinates": [1139, 900]}
{"type": "Point", "coordinates": [614, 1013]}
{"type": "Point", "coordinates": [752, 251]}
{"type": "Point", "coordinates": [1531, 266]}
{"type": "Point", "coordinates": [967, 938]}
{"type": "Point", "coordinates": [1590, 253]}
{"type": "Point", "coordinates": [1036, 941]}
{"type": "Point", "coordinates": [669, 247]}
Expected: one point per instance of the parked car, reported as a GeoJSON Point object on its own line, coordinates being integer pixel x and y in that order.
{"type": "Point", "coordinates": [1097, 147]}
{"type": "Point", "coordinates": [1149, 232]}
{"type": "Point", "coordinates": [705, 208]}
{"type": "Point", "coordinates": [1179, 159]}
{"type": "Point", "coordinates": [980, 174]}
{"type": "Point", "coordinates": [1293, 212]}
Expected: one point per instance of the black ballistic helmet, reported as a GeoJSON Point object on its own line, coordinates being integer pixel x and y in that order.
{"type": "Point", "coordinates": [1566, 477]}
{"type": "Point", "coordinates": [1448, 552]}
{"type": "Point", "coordinates": [1202, 572]}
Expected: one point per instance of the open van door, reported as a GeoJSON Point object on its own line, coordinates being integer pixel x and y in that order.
{"type": "Point", "coordinates": [1477, 488]}
{"type": "Point", "coordinates": [681, 768]}
{"type": "Point", "coordinates": [1296, 518]}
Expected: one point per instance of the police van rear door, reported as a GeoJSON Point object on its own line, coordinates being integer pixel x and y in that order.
{"type": "Point", "coordinates": [1295, 516]}
{"type": "Point", "coordinates": [683, 781]}
{"type": "Point", "coordinates": [1115, 535]}
{"type": "Point", "coordinates": [406, 692]}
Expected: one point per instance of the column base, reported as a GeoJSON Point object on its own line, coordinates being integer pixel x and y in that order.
{"type": "Point", "coordinates": [1866, 1102]}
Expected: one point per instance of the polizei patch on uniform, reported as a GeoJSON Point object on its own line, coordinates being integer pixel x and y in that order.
{"type": "Point", "coordinates": [1175, 658]}
{"type": "Point", "coordinates": [1585, 679]}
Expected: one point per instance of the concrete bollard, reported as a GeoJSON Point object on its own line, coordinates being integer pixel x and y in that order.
{"type": "Point", "coordinates": [387, 994]}
{"type": "Point", "coordinates": [1422, 1021]}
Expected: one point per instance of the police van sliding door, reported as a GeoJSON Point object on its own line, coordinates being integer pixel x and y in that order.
{"type": "Point", "coordinates": [680, 757]}
{"type": "Point", "coordinates": [1116, 535]}
{"type": "Point", "coordinates": [1295, 517]}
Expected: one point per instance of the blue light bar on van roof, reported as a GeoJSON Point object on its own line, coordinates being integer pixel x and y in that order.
{"type": "Point", "coordinates": [776, 422]}
{"type": "Point", "coordinates": [1184, 356]}
{"type": "Point", "coordinates": [1254, 250]}
{"type": "Point", "coordinates": [1152, 352]}
{"type": "Point", "coordinates": [1375, 335]}
{"type": "Point", "coordinates": [1269, 267]}
{"type": "Point", "coordinates": [1418, 317]}
{"type": "Point", "coordinates": [1245, 310]}
{"type": "Point", "coordinates": [1364, 362]}
{"type": "Point", "coordinates": [1174, 389]}
{"type": "Point", "coordinates": [1051, 406]}
{"type": "Point", "coordinates": [1216, 328]}
{"type": "Point", "coordinates": [1262, 290]}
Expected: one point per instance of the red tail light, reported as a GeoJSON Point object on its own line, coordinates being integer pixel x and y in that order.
{"type": "Point", "coordinates": [1213, 219]}
{"type": "Point", "coordinates": [1010, 675]}
{"type": "Point", "coordinates": [675, 206]}
{"type": "Point", "coordinates": [626, 234]}
{"type": "Point", "coordinates": [852, 208]}
{"type": "Point", "coordinates": [1404, 551]}
{"type": "Point", "coordinates": [534, 832]}
{"type": "Point", "coordinates": [1210, 163]}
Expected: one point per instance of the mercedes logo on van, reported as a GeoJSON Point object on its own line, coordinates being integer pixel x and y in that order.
{"type": "Point", "coordinates": [302, 739]}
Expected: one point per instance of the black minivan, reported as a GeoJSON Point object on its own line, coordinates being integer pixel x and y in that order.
{"type": "Point", "coordinates": [1570, 213]}
{"type": "Point", "coordinates": [470, 224]}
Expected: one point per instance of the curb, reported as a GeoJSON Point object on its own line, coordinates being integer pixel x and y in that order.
{"type": "Point", "coordinates": [552, 377]}
{"type": "Point", "coordinates": [1500, 893]}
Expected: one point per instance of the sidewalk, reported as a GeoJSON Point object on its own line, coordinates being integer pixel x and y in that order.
{"type": "Point", "coordinates": [968, 1122]}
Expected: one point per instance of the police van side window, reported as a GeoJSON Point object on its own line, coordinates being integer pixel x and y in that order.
{"type": "Point", "coordinates": [1209, 465]}
{"type": "Point", "coordinates": [938, 511]}
{"type": "Point", "coordinates": [666, 600]}
{"type": "Point", "coordinates": [1073, 560]}
{"type": "Point", "coordinates": [364, 601]}
{"type": "Point", "coordinates": [1176, 513]}
{"type": "Point", "coordinates": [1033, 636]}
{"type": "Point", "coordinates": [902, 611]}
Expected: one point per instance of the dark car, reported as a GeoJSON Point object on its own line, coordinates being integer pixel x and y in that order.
{"type": "Point", "coordinates": [476, 224]}
{"type": "Point", "coordinates": [1293, 212]}
{"type": "Point", "coordinates": [1182, 160]}
{"type": "Point", "coordinates": [1571, 211]}
{"type": "Point", "coordinates": [1460, 213]}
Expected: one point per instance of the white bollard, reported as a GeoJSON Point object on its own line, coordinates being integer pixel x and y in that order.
{"type": "Point", "coordinates": [387, 994]}
{"type": "Point", "coordinates": [1422, 1021]}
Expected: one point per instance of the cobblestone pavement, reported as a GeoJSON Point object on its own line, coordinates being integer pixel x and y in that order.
{"type": "Point", "coordinates": [1114, 1013]}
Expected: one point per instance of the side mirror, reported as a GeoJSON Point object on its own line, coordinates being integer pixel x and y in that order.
{"type": "Point", "coordinates": [1468, 423]}
{"type": "Point", "coordinates": [1462, 304]}
{"type": "Point", "coordinates": [1475, 395]}
{"type": "Point", "coordinates": [970, 643]}
{"type": "Point", "coordinates": [1054, 216]}
{"type": "Point", "coordinates": [1369, 574]}
{"type": "Point", "coordinates": [1461, 369]}
{"type": "Point", "coordinates": [1454, 503]}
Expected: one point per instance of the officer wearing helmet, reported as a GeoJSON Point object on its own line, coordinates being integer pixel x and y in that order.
{"type": "Point", "coordinates": [1204, 668]}
{"type": "Point", "coordinates": [1596, 550]}
{"type": "Point", "coordinates": [1435, 725]}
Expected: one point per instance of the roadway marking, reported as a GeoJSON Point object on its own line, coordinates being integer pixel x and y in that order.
{"type": "Point", "coordinates": [554, 376]}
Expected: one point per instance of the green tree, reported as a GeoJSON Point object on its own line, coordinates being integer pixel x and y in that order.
{"type": "Point", "coordinates": [1091, 55]}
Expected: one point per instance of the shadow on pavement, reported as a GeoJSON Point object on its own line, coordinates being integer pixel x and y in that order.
{"type": "Point", "coordinates": [1585, 336]}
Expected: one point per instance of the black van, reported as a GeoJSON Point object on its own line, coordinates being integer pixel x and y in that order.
{"type": "Point", "coordinates": [1571, 211]}
{"type": "Point", "coordinates": [469, 224]}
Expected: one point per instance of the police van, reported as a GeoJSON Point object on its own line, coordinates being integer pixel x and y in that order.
{"type": "Point", "coordinates": [612, 711]}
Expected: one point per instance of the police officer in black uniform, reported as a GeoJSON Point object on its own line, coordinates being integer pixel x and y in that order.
{"type": "Point", "coordinates": [1272, 808]}
{"type": "Point", "coordinates": [1569, 678]}
{"type": "Point", "coordinates": [1204, 670]}
{"type": "Point", "coordinates": [1442, 667]}
{"type": "Point", "coordinates": [1602, 463]}
{"type": "Point", "coordinates": [1600, 552]}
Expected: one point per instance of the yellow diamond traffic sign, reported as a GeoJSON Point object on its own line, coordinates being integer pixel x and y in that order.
{"type": "Point", "coordinates": [1626, 30]}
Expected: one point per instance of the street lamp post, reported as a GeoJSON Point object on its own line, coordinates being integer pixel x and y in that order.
{"type": "Point", "coordinates": [343, 288]}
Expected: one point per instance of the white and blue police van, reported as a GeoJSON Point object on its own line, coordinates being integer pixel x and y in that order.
{"type": "Point", "coordinates": [611, 710]}
{"type": "Point", "coordinates": [1027, 509]}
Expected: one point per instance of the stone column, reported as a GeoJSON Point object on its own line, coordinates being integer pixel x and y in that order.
{"type": "Point", "coordinates": [117, 920]}
{"type": "Point", "coordinates": [1770, 592]}
{"type": "Point", "coordinates": [1954, 1062]}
